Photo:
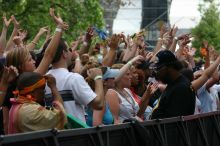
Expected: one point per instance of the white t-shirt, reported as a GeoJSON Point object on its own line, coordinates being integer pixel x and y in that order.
{"type": "Point", "coordinates": [214, 92]}
{"type": "Point", "coordinates": [206, 100]}
{"type": "Point", "coordinates": [197, 106]}
{"type": "Point", "coordinates": [75, 91]}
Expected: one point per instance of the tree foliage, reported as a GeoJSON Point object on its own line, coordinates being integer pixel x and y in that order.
{"type": "Point", "coordinates": [208, 27]}
{"type": "Point", "coordinates": [34, 14]}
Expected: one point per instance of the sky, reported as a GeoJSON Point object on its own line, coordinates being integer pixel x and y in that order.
{"type": "Point", "coordinates": [183, 13]}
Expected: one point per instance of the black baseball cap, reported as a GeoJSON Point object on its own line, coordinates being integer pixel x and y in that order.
{"type": "Point", "coordinates": [163, 58]}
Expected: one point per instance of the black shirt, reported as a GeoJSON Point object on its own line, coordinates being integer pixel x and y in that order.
{"type": "Point", "coordinates": [178, 99]}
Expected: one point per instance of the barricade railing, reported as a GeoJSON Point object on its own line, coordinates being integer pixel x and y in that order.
{"type": "Point", "coordinates": [193, 130]}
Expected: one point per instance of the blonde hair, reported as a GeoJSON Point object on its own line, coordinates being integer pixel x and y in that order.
{"type": "Point", "coordinates": [17, 57]}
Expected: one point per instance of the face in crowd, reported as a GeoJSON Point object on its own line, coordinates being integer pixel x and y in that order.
{"type": "Point", "coordinates": [21, 59]}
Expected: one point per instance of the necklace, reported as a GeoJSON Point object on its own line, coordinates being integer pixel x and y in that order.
{"type": "Point", "coordinates": [128, 98]}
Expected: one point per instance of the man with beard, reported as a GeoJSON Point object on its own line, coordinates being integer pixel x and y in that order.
{"type": "Point", "coordinates": [178, 98]}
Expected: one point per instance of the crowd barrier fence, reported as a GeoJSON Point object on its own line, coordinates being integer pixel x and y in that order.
{"type": "Point", "coordinates": [193, 130]}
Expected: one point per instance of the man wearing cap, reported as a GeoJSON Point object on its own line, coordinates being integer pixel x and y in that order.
{"type": "Point", "coordinates": [178, 99]}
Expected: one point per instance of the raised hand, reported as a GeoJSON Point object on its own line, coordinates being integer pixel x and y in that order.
{"type": "Point", "coordinates": [129, 41]}
{"type": "Point", "coordinates": [191, 52]}
{"type": "Point", "coordinates": [51, 81]}
{"type": "Point", "coordinates": [152, 87]}
{"type": "Point", "coordinates": [15, 22]}
{"type": "Point", "coordinates": [184, 42]}
{"type": "Point", "coordinates": [140, 42]}
{"type": "Point", "coordinates": [6, 22]}
{"type": "Point", "coordinates": [166, 38]}
{"type": "Point", "coordinates": [22, 34]}
{"type": "Point", "coordinates": [18, 40]}
{"type": "Point", "coordinates": [9, 74]}
{"type": "Point", "coordinates": [93, 72]}
{"type": "Point", "coordinates": [114, 41]}
{"type": "Point", "coordinates": [58, 20]}
{"type": "Point", "coordinates": [74, 45]}
{"type": "Point", "coordinates": [123, 37]}
{"type": "Point", "coordinates": [89, 34]}
{"type": "Point", "coordinates": [173, 31]}
{"type": "Point", "coordinates": [137, 59]}
{"type": "Point", "coordinates": [43, 30]}
{"type": "Point", "coordinates": [205, 44]}
{"type": "Point", "coordinates": [148, 56]}
{"type": "Point", "coordinates": [163, 30]}
{"type": "Point", "coordinates": [49, 35]}
{"type": "Point", "coordinates": [184, 36]}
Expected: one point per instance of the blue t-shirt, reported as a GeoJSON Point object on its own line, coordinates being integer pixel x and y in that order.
{"type": "Point", "coordinates": [107, 118]}
{"type": "Point", "coordinates": [206, 99]}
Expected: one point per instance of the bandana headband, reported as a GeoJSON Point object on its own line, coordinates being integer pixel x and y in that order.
{"type": "Point", "coordinates": [31, 88]}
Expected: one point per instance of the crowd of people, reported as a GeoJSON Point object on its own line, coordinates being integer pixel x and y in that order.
{"type": "Point", "coordinates": [115, 80]}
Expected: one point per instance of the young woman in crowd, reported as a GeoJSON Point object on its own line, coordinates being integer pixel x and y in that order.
{"type": "Point", "coordinates": [21, 58]}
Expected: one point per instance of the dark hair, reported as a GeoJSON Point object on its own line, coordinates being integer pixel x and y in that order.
{"type": "Point", "coordinates": [27, 79]}
{"type": "Point", "coordinates": [61, 47]}
{"type": "Point", "coordinates": [33, 55]}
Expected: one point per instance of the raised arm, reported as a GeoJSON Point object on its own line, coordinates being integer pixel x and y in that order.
{"type": "Point", "coordinates": [132, 50]}
{"type": "Point", "coordinates": [174, 39]}
{"type": "Point", "coordinates": [51, 49]}
{"type": "Point", "coordinates": [10, 43]}
{"type": "Point", "coordinates": [9, 74]}
{"type": "Point", "coordinates": [160, 39]}
{"type": "Point", "coordinates": [96, 75]}
{"type": "Point", "coordinates": [127, 66]}
{"type": "Point", "coordinates": [3, 36]}
{"type": "Point", "coordinates": [86, 41]}
{"type": "Point", "coordinates": [78, 66]}
{"type": "Point", "coordinates": [196, 84]}
{"type": "Point", "coordinates": [151, 88]}
{"type": "Point", "coordinates": [109, 58]}
{"type": "Point", "coordinates": [34, 42]}
{"type": "Point", "coordinates": [51, 82]}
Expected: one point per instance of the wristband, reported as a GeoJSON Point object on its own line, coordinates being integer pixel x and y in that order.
{"type": "Point", "coordinates": [97, 77]}
{"type": "Point", "coordinates": [129, 63]}
{"type": "Point", "coordinates": [77, 59]}
{"type": "Point", "coordinates": [85, 43]}
{"type": "Point", "coordinates": [58, 30]}
{"type": "Point", "coordinates": [175, 38]}
{"type": "Point", "coordinates": [34, 42]}
{"type": "Point", "coordinates": [164, 47]}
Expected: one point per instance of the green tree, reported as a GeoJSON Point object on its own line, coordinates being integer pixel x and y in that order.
{"type": "Point", "coordinates": [208, 27]}
{"type": "Point", "coordinates": [34, 14]}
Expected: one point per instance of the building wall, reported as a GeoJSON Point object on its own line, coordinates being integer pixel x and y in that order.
{"type": "Point", "coordinates": [110, 8]}
{"type": "Point", "coordinates": [154, 14]}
